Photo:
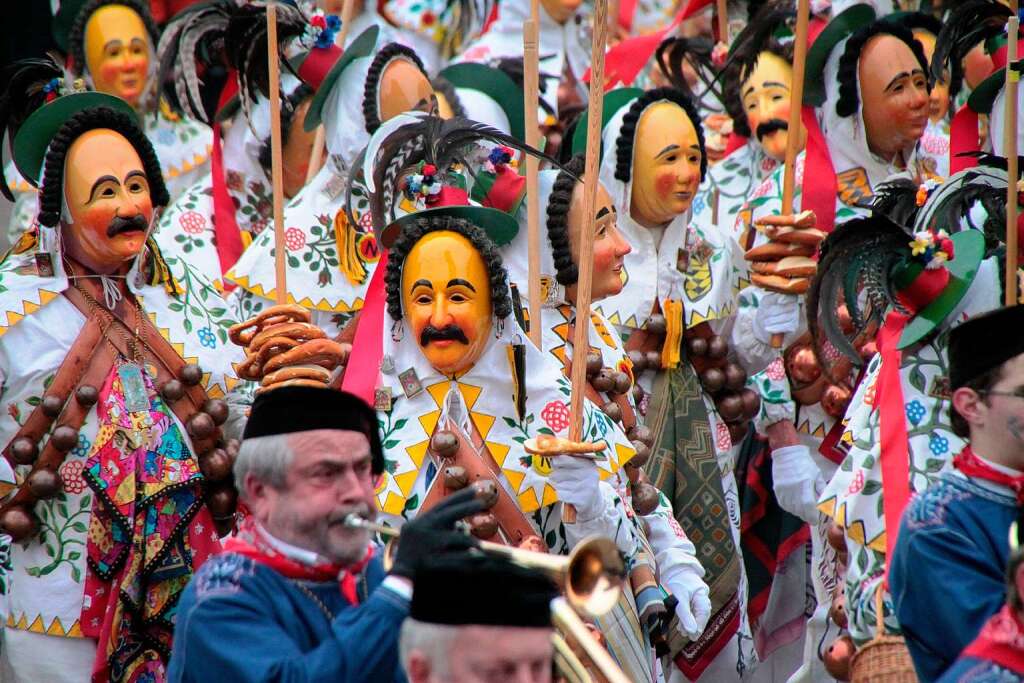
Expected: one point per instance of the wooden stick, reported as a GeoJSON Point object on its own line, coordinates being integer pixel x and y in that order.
{"type": "Point", "coordinates": [581, 335]}
{"type": "Point", "coordinates": [722, 6]}
{"type": "Point", "coordinates": [1010, 150]}
{"type": "Point", "coordinates": [531, 99]}
{"type": "Point", "coordinates": [796, 97]}
{"type": "Point", "coordinates": [277, 179]}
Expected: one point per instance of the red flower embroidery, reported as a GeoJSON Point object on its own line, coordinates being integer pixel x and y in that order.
{"type": "Point", "coordinates": [71, 474]}
{"type": "Point", "coordinates": [723, 441]}
{"type": "Point", "coordinates": [192, 222]}
{"type": "Point", "coordinates": [857, 484]}
{"type": "Point", "coordinates": [776, 371]}
{"type": "Point", "coordinates": [294, 239]}
{"type": "Point", "coordinates": [556, 415]}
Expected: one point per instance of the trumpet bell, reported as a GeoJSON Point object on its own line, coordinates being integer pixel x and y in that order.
{"type": "Point", "coordinates": [594, 576]}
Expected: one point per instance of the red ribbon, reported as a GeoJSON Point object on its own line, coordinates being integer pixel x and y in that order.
{"type": "Point", "coordinates": [508, 188]}
{"type": "Point", "coordinates": [820, 195]}
{"type": "Point", "coordinates": [225, 227]}
{"type": "Point", "coordinates": [924, 289]}
{"type": "Point", "coordinates": [363, 369]}
{"type": "Point", "coordinates": [963, 137]}
{"type": "Point", "coordinates": [895, 451]}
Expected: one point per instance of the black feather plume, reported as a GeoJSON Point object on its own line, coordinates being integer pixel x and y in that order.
{"type": "Point", "coordinates": [22, 91]}
{"type": "Point", "coordinates": [969, 22]}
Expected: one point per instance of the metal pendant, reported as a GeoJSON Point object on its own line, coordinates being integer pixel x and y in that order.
{"type": "Point", "coordinates": [382, 399]}
{"type": "Point", "coordinates": [410, 383]}
{"type": "Point", "coordinates": [136, 398]}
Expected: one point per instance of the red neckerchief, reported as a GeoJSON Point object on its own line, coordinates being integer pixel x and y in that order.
{"type": "Point", "coordinates": [973, 466]}
{"type": "Point", "coordinates": [251, 542]}
{"type": "Point", "coordinates": [1001, 641]}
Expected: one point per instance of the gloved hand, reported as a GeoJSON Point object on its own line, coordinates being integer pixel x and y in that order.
{"type": "Point", "coordinates": [577, 482]}
{"type": "Point", "coordinates": [776, 314]}
{"type": "Point", "coordinates": [694, 607]}
{"type": "Point", "coordinates": [797, 481]}
{"type": "Point", "coordinates": [433, 533]}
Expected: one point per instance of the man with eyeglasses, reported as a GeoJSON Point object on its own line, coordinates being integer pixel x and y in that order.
{"type": "Point", "coordinates": [948, 569]}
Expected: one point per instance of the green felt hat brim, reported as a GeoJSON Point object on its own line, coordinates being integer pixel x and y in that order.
{"type": "Point", "coordinates": [840, 28]}
{"type": "Point", "coordinates": [984, 96]}
{"type": "Point", "coordinates": [499, 226]}
{"type": "Point", "coordinates": [495, 84]}
{"type": "Point", "coordinates": [357, 49]}
{"type": "Point", "coordinates": [34, 136]}
{"type": "Point", "coordinates": [614, 100]}
{"type": "Point", "coordinates": [968, 249]}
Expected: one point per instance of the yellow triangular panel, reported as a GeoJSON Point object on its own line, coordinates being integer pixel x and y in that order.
{"type": "Point", "coordinates": [394, 504]}
{"type": "Point", "coordinates": [418, 451]}
{"type": "Point", "coordinates": [528, 500]}
{"type": "Point", "coordinates": [406, 480]}
{"type": "Point", "coordinates": [515, 478]}
{"type": "Point", "coordinates": [499, 452]}
{"type": "Point", "coordinates": [483, 423]}
{"type": "Point", "coordinates": [56, 628]}
{"type": "Point", "coordinates": [37, 625]}
{"type": "Point", "coordinates": [550, 497]}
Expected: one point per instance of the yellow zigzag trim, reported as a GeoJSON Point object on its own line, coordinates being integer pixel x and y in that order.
{"type": "Point", "coordinates": [27, 307]}
{"type": "Point", "coordinates": [56, 628]}
{"type": "Point", "coordinates": [306, 302]}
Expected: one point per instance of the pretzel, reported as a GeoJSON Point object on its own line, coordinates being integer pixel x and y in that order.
{"type": "Point", "coordinates": [293, 383]}
{"type": "Point", "coordinates": [326, 353]}
{"type": "Point", "coordinates": [274, 346]}
{"type": "Point", "coordinates": [546, 444]}
{"type": "Point", "coordinates": [790, 266]}
{"type": "Point", "coordinates": [780, 283]}
{"type": "Point", "coordinates": [773, 251]}
{"type": "Point", "coordinates": [298, 331]}
{"type": "Point", "coordinates": [807, 236]}
{"type": "Point", "coordinates": [277, 314]}
{"type": "Point", "coordinates": [802, 220]}
{"type": "Point", "coordinates": [312, 372]}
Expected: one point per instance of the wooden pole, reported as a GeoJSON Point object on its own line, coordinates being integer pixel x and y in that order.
{"type": "Point", "coordinates": [796, 97]}
{"type": "Point", "coordinates": [347, 10]}
{"type": "Point", "coordinates": [581, 335]}
{"type": "Point", "coordinates": [1010, 150]}
{"type": "Point", "coordinates": [531, 98]}
{"type": "Point", "coordinates": [722, 6]}
{"type": "Point", "coordinates": [277, 179]}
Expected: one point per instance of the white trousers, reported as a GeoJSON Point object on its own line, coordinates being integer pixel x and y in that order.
{"type": "Point", "coordinates": [28, 657]}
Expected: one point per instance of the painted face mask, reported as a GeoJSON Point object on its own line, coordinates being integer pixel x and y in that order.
{"type": "Point", "coordinates": [446, 297]}
{"type": "Point", "coordinates": [297, 152]}
{"type": "Point", "coordinates": [894, 96]}
{"type": "Point", "coordinates": [765, 94]}
{"type": "Point", "coordinates": [403, 87]}
{"type": "Point", "coordinates": [561, 10]}
{"type": "Point", "coordinates": [107, 196]}
{"type": "Point", "coordinates": [938, 100]}
{"type": "Point", "coordinates": [117, 52]}
{"type": "Point", "coordinates": [666, 164]}
{"type": "Point", "coordinates": [610, 246]}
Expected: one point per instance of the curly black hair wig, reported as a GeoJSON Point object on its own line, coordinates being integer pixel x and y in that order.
{"type": "Point", "coordinates": [627, 135]}
{"type": "Point", "coordinates": [288, 107]}
{"type": "Point", "coordinates": [566, 271]}
{"type": "Point", "coordinates": [501, 302]}
{"type": "Point", "coordinates": [51, 192]}
{"type": "Point", "coordinates": [391, 51]}
{"type": "Point", "coordinates": [849, 100]}
{"type": "Point", "coordinates": [76, 36]}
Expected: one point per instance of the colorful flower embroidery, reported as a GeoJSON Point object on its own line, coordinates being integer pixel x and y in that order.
{"type": "Point", "coordinates": [207, 337]}
{"type": "Point", "coordinates": [71, 475]}
{"type": "Point", "coordinates": [192, 222]}
{"type": "Point", "coordinates": [915, 412]}
{"type": "Point", "coordinates": [294, 239]}
{"type": "Point", "coordinates": [556, 415]}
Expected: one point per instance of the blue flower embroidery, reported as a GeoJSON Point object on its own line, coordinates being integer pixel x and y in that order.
{"type": "Point", "coordinates": [207, 338]}
{"type": "Point", "coordinates": [698, 204]}
{"type": "Point", "coordinates": [82, 449]}
{"type": "Point", "coordinates": [166, 136]}
{"type": "Point", "coordinates": [938, 445]}
{"type": "Point", "coordinates": [915, 411]}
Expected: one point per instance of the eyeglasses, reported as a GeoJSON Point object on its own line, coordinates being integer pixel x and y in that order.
{"type": "Point", "coordinates": [1016, 393]}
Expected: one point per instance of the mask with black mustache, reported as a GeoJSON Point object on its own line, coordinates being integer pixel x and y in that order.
{"type": "Point", "coordinates": [431, 333]}
{"type": "Point", "coordinates": [768, 127]}
{"type": "Point", "coordinates": [119, 225]}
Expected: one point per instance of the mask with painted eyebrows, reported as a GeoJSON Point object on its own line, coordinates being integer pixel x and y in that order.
{"type": "Point", "coordinates": [117, 52]}
{"type": "Point", "coordinates": [666, 164]}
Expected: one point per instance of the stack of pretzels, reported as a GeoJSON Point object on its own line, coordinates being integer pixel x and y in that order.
{"type": "Point", "coordinates": [785, 263]}
{"type": "Point", "coordinates": [284, 349]}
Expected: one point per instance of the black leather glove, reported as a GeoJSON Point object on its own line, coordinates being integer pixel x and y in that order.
{"type": "Point", "coordinates": [433, 533]}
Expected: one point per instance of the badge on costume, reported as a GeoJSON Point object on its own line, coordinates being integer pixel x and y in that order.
{"type": "Point", "coordinates": [44, 264]}
{"type": "Point", "coordinates": [382, 399]}
{"type": "Point", "coordinates": [136, 398]}
{"type": "Point", "coordinates": [410, 383]}
{"type": "Point", "coordinates": [940, 389]}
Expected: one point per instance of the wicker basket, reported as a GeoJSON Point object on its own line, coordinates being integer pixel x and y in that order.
{"type": "Point", "coordinates": [885, 659]}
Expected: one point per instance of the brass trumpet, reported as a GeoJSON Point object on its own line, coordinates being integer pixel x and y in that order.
{"type": "Point", "coordinates": [591, 575]}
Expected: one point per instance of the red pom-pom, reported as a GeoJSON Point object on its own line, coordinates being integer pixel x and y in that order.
{"type": "Point", "coordinates": [429, 169]}
{"type": "Point", "coordinates": [947, 246]}
{"type": "Point", "coordinates": [319, 22]}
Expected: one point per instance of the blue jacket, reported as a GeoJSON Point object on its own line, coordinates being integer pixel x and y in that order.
{"type": "Point", "coordinates": [241, 622]}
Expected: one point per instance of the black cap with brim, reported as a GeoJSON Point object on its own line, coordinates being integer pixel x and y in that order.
{"type": "Point", "coordinates": [358, 48]}
{"type": "Point", "coordinates": [983, 343]}
{"type": "Point", "coordinates": [496, 84]}
{"type": "Point", "coordinates": [288, 410]}
{"type": "Point", "coordinates": [478, 590]}
{"type": "Point", "coordinates": [35, 134]}
{"type": "Point", "coordinates": [841, 27]}
{"type": "Point", "coordinates": [614, 100]}
{"type": "Point", "coordinates": [500, 227]}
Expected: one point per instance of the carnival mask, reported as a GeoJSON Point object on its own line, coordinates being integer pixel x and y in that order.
{"type": "Point", "coordinates": [403, 87]}
{"type": "Point", "coordinates": [894, 96]}
{"type": "Point", "coordinates": [107, 197]}
{"type": "Point", "coordinates": [561, 10]}
{"type": "Point", "coordinates": [766, 94]}
{"type": "Point", "coordinates": [610, 246]}
{"type": "Point", "coordinates": [446, 298]}
{"type": "Point", "coordinates": [117, 52]}
{"type": "Point", "coordinates": [938, 104]}
{"type": "Point", "coordinates": [666, 164]}
{"type": "Point", "coordinates": [297, 152]}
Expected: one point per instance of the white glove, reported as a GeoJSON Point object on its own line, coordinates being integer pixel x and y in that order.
{"type": "Point", "coordinates": [577, 482]}
{"type": "Point", "coordinates": [776, 314]}
{"type": "Point", "coordinates": [797, 481]}
{"type": "Point", "coordinates": [694, 608]}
